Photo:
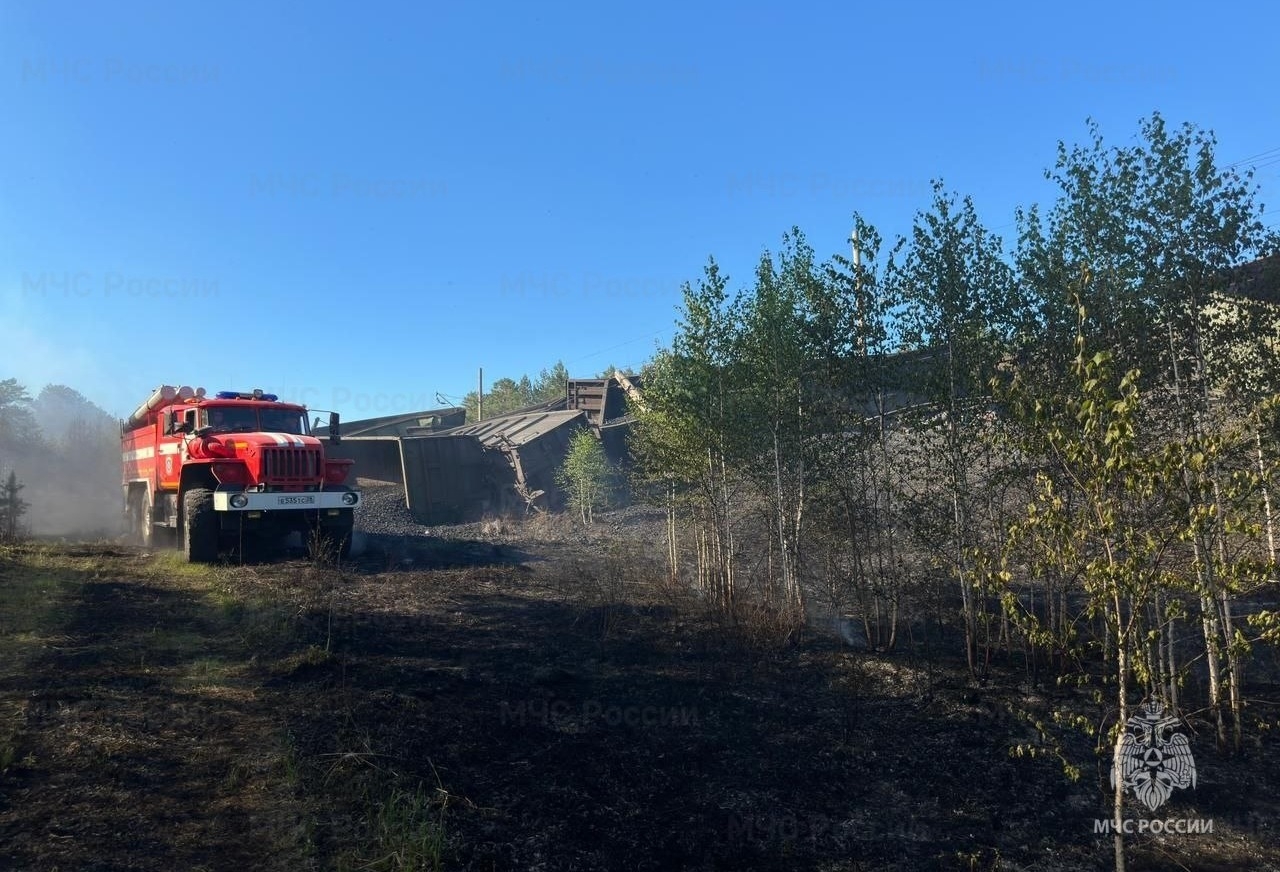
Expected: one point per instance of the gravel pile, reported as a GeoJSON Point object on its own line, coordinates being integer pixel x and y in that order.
{"type": "Point", "coordinates": [386, 529]}
{"type": "Point", "coordinates": [382, 510]}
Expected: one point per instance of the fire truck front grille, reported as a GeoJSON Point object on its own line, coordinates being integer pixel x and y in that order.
{"type": "Point", "coordinates": [290, 465]}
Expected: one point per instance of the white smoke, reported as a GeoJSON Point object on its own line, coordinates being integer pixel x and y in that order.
{"type": "Point", "coordinates": [65, 451]}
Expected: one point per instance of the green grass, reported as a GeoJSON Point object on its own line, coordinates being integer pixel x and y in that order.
{"type": "Point", "coordinates": [406, 832]}
{"type": "Point", "coordinates": [36, 583]}
{"type": "Point", "coordinates": [256, 617]}
{"type": "Point", "coordinates": [35, 586]}
{"type": "Point", "coordinates": [28, 605]}
{"type": "Point", "coordinates": [211, 634]}
{"type": "Point", "coordinates": [173, 565]}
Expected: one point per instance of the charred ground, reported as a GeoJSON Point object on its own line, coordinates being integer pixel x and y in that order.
{"type": "Point", "coordinates": [507, 702]}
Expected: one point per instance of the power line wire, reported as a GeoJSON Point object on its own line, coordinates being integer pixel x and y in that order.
{"type": "Point", "coordinates": [616, 347]}
{"type": "Point", "coordinates": [1261, 154]}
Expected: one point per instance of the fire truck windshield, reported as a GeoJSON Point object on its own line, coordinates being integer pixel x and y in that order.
{"type": "Point", "coordinates": [242, 419]}
{"type": "Point", "coordinates": [284, 421]}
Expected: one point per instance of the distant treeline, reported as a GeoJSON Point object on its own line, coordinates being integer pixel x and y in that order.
{"type": "Point", "coordinates": [66, 452]}
{"type": "Point", "coordinates": [507, 394]}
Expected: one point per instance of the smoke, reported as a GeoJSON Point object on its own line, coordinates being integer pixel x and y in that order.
{"type": "Point", "coordinates": [84, 512]}
{"type": "Point", "coordinates": [65, 451]}
{"type": "Point", "coordinates": [849, 630]}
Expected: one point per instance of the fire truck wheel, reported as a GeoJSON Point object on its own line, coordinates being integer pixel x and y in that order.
{"type": "Point", "coordinates": [146, 527]}
{"type": "Point", "coordinates": [134, 516]}
{"type": "Point", "coordinates": [200, 527]}
{"type": "Point", "coordinates": [139, 519]}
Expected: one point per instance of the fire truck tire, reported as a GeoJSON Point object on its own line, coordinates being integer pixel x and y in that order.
{"type": "Point", "coordinates": [146, 525]}
{"type": "Point", "coordinates": [133, 514]}
{"type": "Point", "coordinates": [200, 526]}
{"type": "Point", "coordinates": [139, 516]}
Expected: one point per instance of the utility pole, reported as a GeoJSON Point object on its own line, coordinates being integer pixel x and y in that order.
{"type": "Point", "coordinates": [480, 396]}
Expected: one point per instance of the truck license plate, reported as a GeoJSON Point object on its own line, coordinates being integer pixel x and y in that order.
{"type": "Point", "coordinates": [294, 501]}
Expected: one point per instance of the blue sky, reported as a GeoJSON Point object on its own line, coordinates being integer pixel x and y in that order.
{"type": "Point", "coordinates": [359, 207]}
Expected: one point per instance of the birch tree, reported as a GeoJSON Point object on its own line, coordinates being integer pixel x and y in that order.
{"type": "Point", "coordinates": [1152, 232]}
{"type": "Point", "coordinates": [961, 311]}
{"type": "Point", "coordinates": [688, 437]}
{"type": "Point", "coordinates": [776, 361]}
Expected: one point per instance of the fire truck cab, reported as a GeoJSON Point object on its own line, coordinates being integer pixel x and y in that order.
{"type": "Point", "coordinates": [207, 472]}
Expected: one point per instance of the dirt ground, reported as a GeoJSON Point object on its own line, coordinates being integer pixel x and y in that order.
{"type": "Point", "coordinates": [501, 704]}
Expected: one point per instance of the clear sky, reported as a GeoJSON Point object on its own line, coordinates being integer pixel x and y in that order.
{"type": "Point", "coordinates": [358, 206]}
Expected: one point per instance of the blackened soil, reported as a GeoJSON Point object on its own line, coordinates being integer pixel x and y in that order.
{"type": "Point", "coordinates": [551, 717]}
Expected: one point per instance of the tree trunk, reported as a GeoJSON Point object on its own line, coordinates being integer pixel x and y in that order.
{"type": "Point", "coordinates": [1117, 796]}
{"type": "Point", "coordinates": [1235, 675]}
{"type": "Point", "coordinates": [780, 516]}
{"type": "Point", "coordinates": [731, 547]}
{"type": "Point", "coordinates": [966, 594]}
{"type": "Point", "coordinates": [1266, 498]}
{"type": "Point", "coordinates": [1209, 626]}
{"type": "Point", "coordinates": [673, 548]}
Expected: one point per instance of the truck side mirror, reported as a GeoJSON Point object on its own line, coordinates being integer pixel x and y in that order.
{"type": "Point", "coordinates": [335, 432]}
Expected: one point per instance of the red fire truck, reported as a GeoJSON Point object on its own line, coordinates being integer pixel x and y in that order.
{"type": "Point", "coordinates": [211, 471]}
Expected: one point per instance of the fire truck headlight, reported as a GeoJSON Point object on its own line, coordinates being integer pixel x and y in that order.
{"type": "Point", "coordinates": [239, 501]}
{"type": "Point", "coordinates": [349, 498]}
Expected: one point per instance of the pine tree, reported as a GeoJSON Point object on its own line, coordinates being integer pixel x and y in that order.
{"type": "Point", "coordinates": [12, 507]}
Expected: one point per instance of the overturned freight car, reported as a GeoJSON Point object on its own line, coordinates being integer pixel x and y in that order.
{"type": "Point", "coordinates": [506, 464]}
{"type": "Point", "coordinates": [453, 472]}
{"type": "Point", "coordinates": [502, 465]}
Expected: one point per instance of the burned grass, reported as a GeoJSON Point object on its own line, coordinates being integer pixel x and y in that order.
{"type": "Point", "coordinates": [143, 741]}
{"type": "Point", "coordinates": [443, 707]}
